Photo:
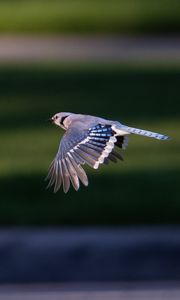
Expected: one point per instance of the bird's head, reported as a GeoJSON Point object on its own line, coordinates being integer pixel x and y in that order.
{"type": "Point", "coordinates": [60, 119]}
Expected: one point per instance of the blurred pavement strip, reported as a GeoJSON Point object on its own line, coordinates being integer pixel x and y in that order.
{"type": "Point", "coordinates": [89, 48]}
{"type": "Point", "coordinates": [81, 291]}
{"type": "Point", "coordinates": [89, 254]}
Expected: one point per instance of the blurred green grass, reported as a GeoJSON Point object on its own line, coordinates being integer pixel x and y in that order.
{"type": "Point", "coordinates": [78, 16]}
{"type": "Point", "coordinates": [142, 189]}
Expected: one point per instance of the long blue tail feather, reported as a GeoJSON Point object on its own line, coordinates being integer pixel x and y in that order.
{"type": "Point", "coordinates": [147, 133]}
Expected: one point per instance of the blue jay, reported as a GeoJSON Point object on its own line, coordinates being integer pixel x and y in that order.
{"type": "Point", "coordinates": [87, 140]}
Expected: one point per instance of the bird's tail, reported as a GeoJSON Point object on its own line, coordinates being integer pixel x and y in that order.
{"type": "Point", "coordinates": [147, 133]}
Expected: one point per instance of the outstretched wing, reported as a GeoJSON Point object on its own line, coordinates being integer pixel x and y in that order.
{"type": "Point", "coordinates": [93, 147]}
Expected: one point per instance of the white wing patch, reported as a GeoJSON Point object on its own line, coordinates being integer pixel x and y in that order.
{"type": "Point", "coordinates": [107, 150]}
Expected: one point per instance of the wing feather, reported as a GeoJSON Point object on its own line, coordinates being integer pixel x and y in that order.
{"type": "Point", "coordinates": [93, 146]}
{"type": "Point", "coordinates": [72, 173]}
{"type": "Point", "coordinates": [65, 176]}
{"type": "Point", "coordinates": [78, 159]}
{"type": "Point", "coordinates": [86, 157]}
{"type": "Point", "coordinates": [93, 153]}
{"type": "Point", "coordinates": [58, 177]}
{"type": "Point", "coordinates": [80, 172]}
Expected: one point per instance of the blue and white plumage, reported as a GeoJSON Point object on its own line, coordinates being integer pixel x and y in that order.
{"type": "Point", "coordinates": [88, 140]}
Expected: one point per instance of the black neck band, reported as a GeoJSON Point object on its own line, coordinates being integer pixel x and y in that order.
{"type": "Point", "coordinates": [62, 120]}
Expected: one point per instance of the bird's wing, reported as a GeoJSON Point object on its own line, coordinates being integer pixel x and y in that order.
{"type": "Point", "coordinates": [93, 146]}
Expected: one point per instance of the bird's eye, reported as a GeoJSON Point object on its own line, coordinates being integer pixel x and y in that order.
{"type": "Point", "coordinates": [56, 117]}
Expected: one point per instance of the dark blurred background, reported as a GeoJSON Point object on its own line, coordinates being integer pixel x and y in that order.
{"type": "Point", "coordinates": [116, 59]}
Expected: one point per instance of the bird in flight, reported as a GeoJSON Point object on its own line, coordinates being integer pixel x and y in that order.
{"type": "Point", "coordinates": [88, 140]}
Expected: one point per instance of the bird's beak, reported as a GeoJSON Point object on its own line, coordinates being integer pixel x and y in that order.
{"type": "Point", "coordinates": [51, 120]}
